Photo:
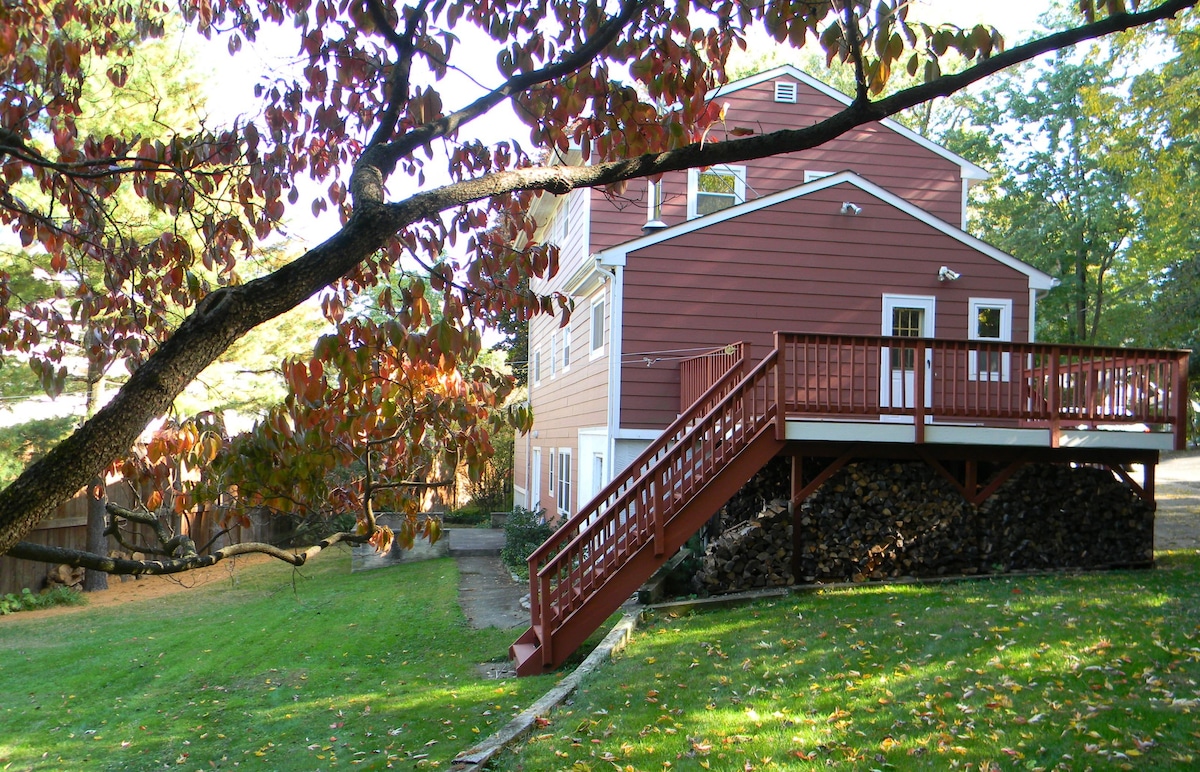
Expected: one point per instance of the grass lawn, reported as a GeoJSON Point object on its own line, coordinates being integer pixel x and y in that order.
{"type": "Point", "coordinates": [1072, 672]}
{"type": "Point", "coordinates": [270, 670]}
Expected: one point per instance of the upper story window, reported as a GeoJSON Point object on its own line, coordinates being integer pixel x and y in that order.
{"type": "Point", "coordinates": [553, 349]}
{"type": "Point", "coordinates": [535, 368]}
{"type": "Point", "coordinates": [596, 343]}
{"type": "Point", "coordinates": [715, 188]}
{"type": "Point", "coordinates": [785, 91]}
{"type": "Point", "coordinates": [990, 320]}
{"type": "Point", "coordinates": [556, 234]}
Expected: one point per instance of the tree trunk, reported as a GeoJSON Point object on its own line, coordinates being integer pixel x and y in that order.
{"type": "Point", "coordinates": [97, 542]}
{"type": "Point", "coordinates": [97, 493]}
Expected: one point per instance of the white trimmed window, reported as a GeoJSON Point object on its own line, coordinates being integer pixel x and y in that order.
{"type": "Point", "coordinates": [564, 481]}
{"type": "Point", "coordinates": [566, 347]}
{"type": "Point", "coordinates": [990, 320]}
{"type": "Point", "coordinates": [596, 343]}
{"type": "Point", "coordinates": [785, 91]}
{"type": "Point", "coordinates": [535, 481]}
{"type": "Point", "coordinates": [553, 351]}
{"type": "Point", "coordinates": [550, 479]}
{"type": "Point", "coordinates": [557, 234]}
{"type": "Point", "coordinates": [715, 188]}
{"type": "Point", "coordinates": [535, 368]}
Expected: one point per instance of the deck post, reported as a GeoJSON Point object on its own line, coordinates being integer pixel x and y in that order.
{"type": "Point", "coordinates": [780, 411]}
{"type": "Point", "coordinates": [919, 394]}
{"type": "Point", "coordinates": [1053, 399]}
{"type": "Point", "coordinates": [794, 509]}
{"type": "Point", "coordinates": [1181, 401]}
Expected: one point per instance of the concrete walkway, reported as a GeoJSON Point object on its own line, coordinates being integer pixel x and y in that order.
{"type": "Point", "coordinates": [487, 592]}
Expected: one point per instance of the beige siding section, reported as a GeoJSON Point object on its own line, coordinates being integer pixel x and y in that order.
{"type": "Point", "coordinates": [574, 249]}
{"type": "Point", "coordinates": [799, 266]}
{"type": "Point", "coordinates": [874, 152]}
{"type": "Point", "coordinates": [572, 399]}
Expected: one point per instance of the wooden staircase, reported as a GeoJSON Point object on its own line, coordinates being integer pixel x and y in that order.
{"type": "Point", "coordinates": [603, 553]}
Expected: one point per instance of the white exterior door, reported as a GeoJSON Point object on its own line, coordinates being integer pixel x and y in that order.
{"type": "Point", "coordinates": [593, 471]}
{"type": "Point", "coordinates": [535, 480]}
{"type": "Point", "coordinates": [905, 316]}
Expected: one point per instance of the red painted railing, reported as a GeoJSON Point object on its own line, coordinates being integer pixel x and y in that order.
{"type": "Point", "coordinates": [698, 373]}
{"type": "Point", "coordinates": [637, 507]}
{"type": "Point", "coordinates": [1027, 384]}
{"type": "Point", "coordinates": [648, 508]}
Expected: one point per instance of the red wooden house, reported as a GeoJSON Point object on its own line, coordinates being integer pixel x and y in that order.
{"type": "Point", "coordinates": [825, 303]}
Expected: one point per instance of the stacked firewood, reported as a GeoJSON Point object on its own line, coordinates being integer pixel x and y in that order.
{"type": "Point", "coordinates": [754, 554]}
{"type": "Point", "coordinates": [63, 575]}
{"type": "Point", "coordinates": [878, 520]}
{"type": "Point", "coordinates": [1057, 516]}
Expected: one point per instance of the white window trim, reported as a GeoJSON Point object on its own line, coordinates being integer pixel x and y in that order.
{"type": "Point", "coordinates": [550, 478]}
{"type": "Point", "coordinates": [566, 348]}
{"type": "Point", "coordinates": [739, 185]}
{"type": "Point", "coordinates": [534, 496]}
{"type": "Point", "coordinates": [563, 498]}
{"type": "Point", "coordinates": [553, 353]}
{"type": "Point", "coordinates": [812, 175]}
{"type": "Point", "coordinates": [535, 364]}
{"type": "Point", "coordinates": [595, 352]}
{"type": "Point", "coordinates": [1005, 305]}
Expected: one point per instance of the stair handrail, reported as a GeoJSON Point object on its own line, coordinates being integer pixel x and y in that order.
{"type": "Point", "coordinates": [652, 457]}
{"type": "Point", "coordinates": [669, 437]}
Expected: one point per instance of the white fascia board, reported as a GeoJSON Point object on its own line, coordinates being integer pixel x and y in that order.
{"type": "Point", "coordinates": [969, 171]}
{"type": "Point", "coordinates": [1037, 279]}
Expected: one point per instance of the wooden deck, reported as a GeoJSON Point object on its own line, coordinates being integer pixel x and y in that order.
{"type": "Point", "coordinates": [911, 395]}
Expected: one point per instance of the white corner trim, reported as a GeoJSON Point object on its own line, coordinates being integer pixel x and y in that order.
{"type": "Point", "coordinates": [616, 302]}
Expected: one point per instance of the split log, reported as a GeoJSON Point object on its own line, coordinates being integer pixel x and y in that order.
{"type": "Point", "coordinates": [63, 575]}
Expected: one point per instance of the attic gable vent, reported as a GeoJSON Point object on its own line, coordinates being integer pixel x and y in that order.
{"type": "Point", "coordinates": [785, 91]}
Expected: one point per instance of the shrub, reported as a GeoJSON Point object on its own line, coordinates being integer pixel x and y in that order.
{"type": "Point", "coordinates": [27, 600]}
{"type": "Point", "coordinates": [470, 514]}
{"type": "Point", "coordinates": [523, 533]}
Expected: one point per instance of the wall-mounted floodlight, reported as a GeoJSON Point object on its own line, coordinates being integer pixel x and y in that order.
{"type": "Point", "coordinates": [946, 274]}
{"type": "Point", "coordinates": [849, 208]}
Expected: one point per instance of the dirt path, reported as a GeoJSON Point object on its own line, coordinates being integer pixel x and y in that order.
{"type": "Point", "coordinates": [120, 592]}
{"type": "Point", "coordinates": [1177, 489]}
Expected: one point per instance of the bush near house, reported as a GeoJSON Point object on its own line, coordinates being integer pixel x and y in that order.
{"type": "Point", "coordinates": [524, 532]}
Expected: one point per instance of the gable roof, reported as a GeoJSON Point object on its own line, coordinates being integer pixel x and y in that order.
{"type": "Point", "coordinates": [617, 256]}
{"type": "Point", "coordinates": [969, 170]}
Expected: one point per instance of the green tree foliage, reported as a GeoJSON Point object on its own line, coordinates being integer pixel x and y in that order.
{"type": "Point", "coordinates": [367, 116]}
{"type": "Point", "coordinates": [1064, 198]}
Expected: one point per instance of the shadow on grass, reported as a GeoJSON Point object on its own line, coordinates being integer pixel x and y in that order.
{"type": "Point", "coordinates": [368, 668]}
{"type": "Point", "coordinates": [1042, 672]}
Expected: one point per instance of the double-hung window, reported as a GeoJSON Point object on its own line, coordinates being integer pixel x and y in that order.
{"type": "Point", "coordinates": [715, 188]}
{"type": "Point", "coordinates": [596, 341]}
{"type": "Point", "coordinates": [564, 481]}
{"type": "Point", "coordinates": [990, 320]}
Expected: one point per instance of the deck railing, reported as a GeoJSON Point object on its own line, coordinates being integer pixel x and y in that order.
{"type": "Point", "coordinates": [698, 373]}
{"type": "Point", "coordinates": [637, 507]}
{"type": "Point", "coordinates": [994, 383]}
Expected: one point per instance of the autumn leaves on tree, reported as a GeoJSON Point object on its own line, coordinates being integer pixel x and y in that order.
{"type": "Point", "coordinates": [366, 113]}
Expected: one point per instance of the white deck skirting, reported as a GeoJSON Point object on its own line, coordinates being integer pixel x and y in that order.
{"type": "Point", "coordinates": [951, 434]}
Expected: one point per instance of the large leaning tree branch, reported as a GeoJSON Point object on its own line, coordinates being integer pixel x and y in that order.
{"type": "Point", "coordinates": [225, 315]}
